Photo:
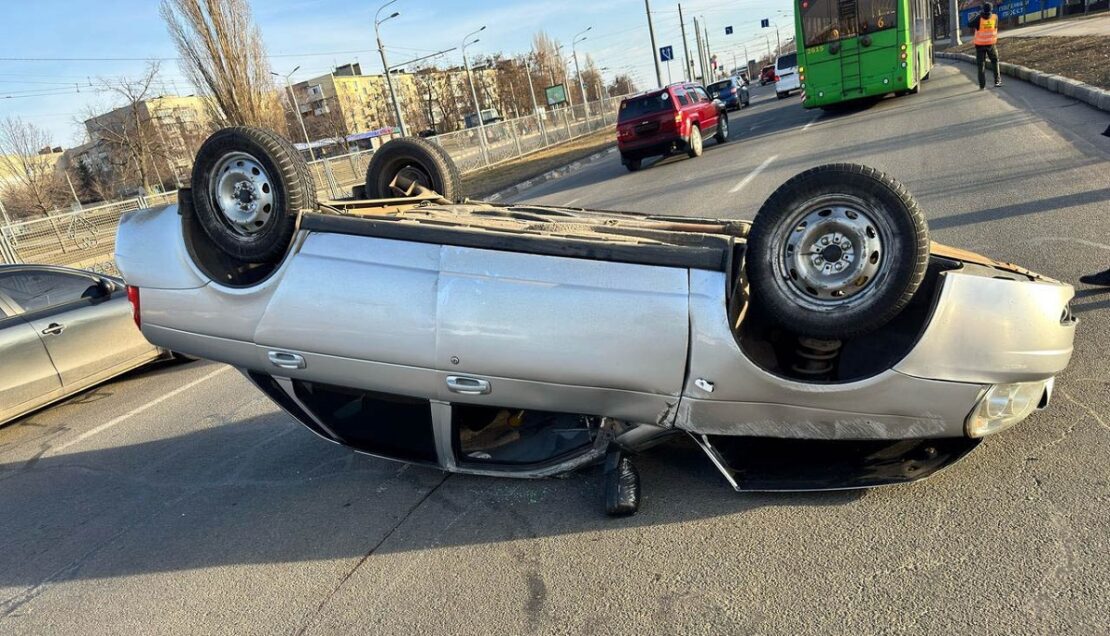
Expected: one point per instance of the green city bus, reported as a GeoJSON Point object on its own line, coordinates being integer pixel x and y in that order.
{"type": "Point", "coordinates": [854, 49]}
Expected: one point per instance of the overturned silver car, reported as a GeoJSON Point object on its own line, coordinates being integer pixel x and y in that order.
{"type": "Point", "coordinates": [828, 344]}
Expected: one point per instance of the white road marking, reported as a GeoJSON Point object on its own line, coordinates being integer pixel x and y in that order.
{"type": "Point", "coordinates": [811, 122]}
{"type": "Point", "coordinates": [754, 173]}
{"type": "Point", "coordinates": [572, 201]}
{"type": "Point", "coordinates": [133, 412]}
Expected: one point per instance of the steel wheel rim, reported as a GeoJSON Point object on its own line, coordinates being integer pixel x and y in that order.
{"type": "Point", "coordinates": [695, 140]}
{"type": "Point", "coordinates": [833, 250]}
{"type": "Point", "coordinates": [243, 193]}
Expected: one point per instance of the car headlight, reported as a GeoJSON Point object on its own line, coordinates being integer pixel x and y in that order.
{"type": "Point", "coordinates": [1004, 405]}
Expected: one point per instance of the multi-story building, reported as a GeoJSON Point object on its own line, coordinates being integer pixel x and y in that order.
{"type": "Point", "coordinates": [346, 102]}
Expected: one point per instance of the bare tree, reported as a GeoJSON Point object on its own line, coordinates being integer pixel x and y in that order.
{"type": "Point", "coordinates": [223, 56]}
{"type": "Point", "coordinates": [128, 131]}
{"type": "Point", "coordinates": [28, 176]}
{"type": "Point", "coordinates": [622, 85]}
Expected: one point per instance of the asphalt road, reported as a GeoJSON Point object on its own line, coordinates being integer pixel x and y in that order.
{"type": "Point", "coordinates": [180, 500]}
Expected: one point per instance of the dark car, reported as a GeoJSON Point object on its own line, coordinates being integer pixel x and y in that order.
{"type": "Point", "coordinates": [668, 120]}
{"type": "Point", "coordinates": [732, 92]}
{"type": "Point", "coordinates": [767, 75]}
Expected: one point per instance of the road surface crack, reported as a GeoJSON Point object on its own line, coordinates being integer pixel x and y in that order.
{"type": "Point", "coordinates": [311, 619]}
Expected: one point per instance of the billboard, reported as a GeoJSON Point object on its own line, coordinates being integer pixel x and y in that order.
{"type": "Point", "coordinates": [556, 94]}
{"type": "Point", "coordinates": [1004, 8]}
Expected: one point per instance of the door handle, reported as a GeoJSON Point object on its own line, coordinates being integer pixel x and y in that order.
{"type": "Point", "coordinates": [53, 329]}
{"type": "Point", "coordinates": [286, 360]}
{"type": "Point", "coordinates": [467, 386]}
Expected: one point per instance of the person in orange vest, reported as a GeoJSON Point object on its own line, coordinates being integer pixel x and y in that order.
{"type": "Point", "coordinates": [986, 37]}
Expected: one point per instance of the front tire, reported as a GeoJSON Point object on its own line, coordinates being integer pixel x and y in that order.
{"type": "Point", "coordinates": [837, 251]}
{"type": "Point", "coordinates": [722, 129]}
{"type": "Point", "coordinates": [694, 146]}
{"type": "Point", "coordinates": [249, 187]}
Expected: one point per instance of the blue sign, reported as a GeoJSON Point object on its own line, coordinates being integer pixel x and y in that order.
{"type": "Point", "coordinates": [666, 54]}
{"type": "Point", "coordinates": [764, 23]}
{"type": "Point", "coordinates": [728, 30]}
{"type": "Point", "coordinates": [1009, 8]}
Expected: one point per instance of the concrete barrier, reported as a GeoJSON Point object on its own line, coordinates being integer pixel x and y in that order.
{"type": "Point", "coordinates": [1093, 95]}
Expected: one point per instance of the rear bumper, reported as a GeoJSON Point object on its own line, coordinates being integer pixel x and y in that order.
{"type": "Point", "coordinates": [652, 147]}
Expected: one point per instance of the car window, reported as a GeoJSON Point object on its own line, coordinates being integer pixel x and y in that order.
{"type": "Point", "coordinates": [701, 94]}
{"type": "Point", "coordinates": [716, 87]}
{"type": "Point", "coordinates": [33, 290]}
{"type": "Point", "coordinates": [682, 97]}
{"type": "Point", "coordinates": [646, 105]}
{"type": "Point", "coordinates": [788, 61]}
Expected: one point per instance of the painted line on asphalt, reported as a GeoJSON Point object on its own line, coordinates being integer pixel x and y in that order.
{"type": "Point", "coordinates": [811, 122]}
{"type": "Point", "coordinates": [572, 201]}
{"type": "Point", "coordinates": [754, 173]}
{"type": "Point", "coordinates": [133, 412]}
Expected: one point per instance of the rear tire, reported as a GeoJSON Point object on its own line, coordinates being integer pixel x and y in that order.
{"type": "Point", "coordinates": [837, 251]}
{"type": "Point", "coordinates": [414, 159]}
{"type": "Point", "coordinates": [694, 146]}
{"type": "Point", "coordinates": [249, 187]}
{"type": "Point", "coordinates": [781, 95]}
{"type": "Point", "coordinates": [633, 164]}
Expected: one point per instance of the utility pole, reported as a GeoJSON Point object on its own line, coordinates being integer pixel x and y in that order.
{"type": "Point", "coordinates": [297, 109]}
{"type": "Point", "coordinates": [385, 65]}
{"type": "Point", "coordinates": [708, 53]}
{"type": "Point", "coordinates": [654, 48]}
{"type": "Point", "coordinates": [954, 20]}
{"type": "Point", "coordinates": [685, 48]}
{"type": "Point", "coordinates": [582, 87]}
{"type": "Point", "coordinates": [474, 94]}
{"type": "Point", "coordinates": [700, 52]}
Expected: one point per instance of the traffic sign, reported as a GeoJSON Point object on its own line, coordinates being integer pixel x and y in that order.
{"type": "Point", "coordinates": [728, 30]}
{"type": "Point", "coordinates": [666, 54]}
{"type": "Point", "coordinates": [764, 23]}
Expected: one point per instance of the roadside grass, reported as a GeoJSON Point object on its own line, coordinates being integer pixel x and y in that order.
{"type": "Point", "coordinates": [1084, 58]}
{"type": "Point", "coordinates": [486, 182]}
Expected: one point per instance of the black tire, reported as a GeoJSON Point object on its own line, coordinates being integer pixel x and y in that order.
{"type": "Point", "coordinates": [282, 185]}
{"type": "Point", "coordinates": [889, 225]}
{"type": "Point", "coordinates": [633, 164]}
{"type": "Point", "coordinates": [722, 129]}
{"type": "Point", "coordinates": [422, 161]}
{"type": "Point", "coordinates": [694, 147]}
{"type": "Point", "coordinates": [925, 77]}
{"type": "Point", "coordinates": [781, 95]}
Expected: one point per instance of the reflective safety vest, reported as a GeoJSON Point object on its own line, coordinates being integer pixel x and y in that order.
{"type": "Point", "coordinates": [987, 34]}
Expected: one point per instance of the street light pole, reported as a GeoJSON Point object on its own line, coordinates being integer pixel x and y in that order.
{"type": "Point", "coordinates": [297, 109]}
{"type": "Point", "coordinates": [581, 37]}
{"type": "Point", "coordinates": [385, 65]}
{"type": "Point", "coordinates": [954, 22]}
{"type": "Point", "coordinates": [685, 48]}
{"type": "Point", "coordinates": [532, 94]}
{"type": "Point", "coordinates": [474, 94]}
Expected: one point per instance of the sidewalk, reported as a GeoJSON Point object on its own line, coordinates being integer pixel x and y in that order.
{"type": "Point", "coordinates": [1070, 27]}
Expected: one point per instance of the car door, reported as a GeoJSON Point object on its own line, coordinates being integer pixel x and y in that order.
{"type": "Point", "coordinates": [86, 327]}
{"type": "Point", "coordinates": [707, 111]}
{"type": "Point", "coordinates": [27, 376]}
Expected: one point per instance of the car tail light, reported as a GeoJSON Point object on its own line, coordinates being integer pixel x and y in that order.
{"type": "Point", "coordinates": [777, 78]}
{"type": "Point", "coordinates": [133, 298]}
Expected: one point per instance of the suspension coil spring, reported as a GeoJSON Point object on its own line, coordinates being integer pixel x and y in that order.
{"type": "Point", "coordinates": [816, 358]}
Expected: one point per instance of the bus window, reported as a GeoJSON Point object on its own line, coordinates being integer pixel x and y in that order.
{"type": "Point", "coordinates": [876, 15]}
{"type": "Point", "coordinates": [820, 22]}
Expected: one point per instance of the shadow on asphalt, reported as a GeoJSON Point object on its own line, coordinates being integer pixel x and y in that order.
{"type": "Point", "coordinates": [1038, 206]}
{"type": "Point", "coordinates": [265, 490]}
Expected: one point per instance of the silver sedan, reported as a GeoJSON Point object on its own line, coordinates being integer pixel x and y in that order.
{"type": "Point", "coordinates": [62, 331]}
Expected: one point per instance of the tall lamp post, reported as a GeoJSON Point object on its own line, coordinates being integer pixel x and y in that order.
{"type": "Point", "coordinates": [297, 109]}
{"type": "Point", "coordinates": [385, 65]}
{"type": "Point", "coordinates": [581, 37]}
{"type": "Point", "coordinates": [474, 92]}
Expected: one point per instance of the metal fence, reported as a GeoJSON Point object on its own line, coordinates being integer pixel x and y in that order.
{"type": "Point", "coordinates": [86, 238]}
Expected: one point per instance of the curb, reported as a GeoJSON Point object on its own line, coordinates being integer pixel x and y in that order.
{"type": "Point", "coordinates": [550, 175]}
{"type": "Point", "coordinates": [1065, 86]}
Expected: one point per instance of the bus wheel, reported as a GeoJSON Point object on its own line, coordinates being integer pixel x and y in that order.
{"type": "Point", "coordinates": [837, 251]}
{"type": "Point", "coordinates": [925, 77]}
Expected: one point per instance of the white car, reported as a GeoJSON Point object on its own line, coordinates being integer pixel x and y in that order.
{"type": "Point", "coordinates": [786, 75]}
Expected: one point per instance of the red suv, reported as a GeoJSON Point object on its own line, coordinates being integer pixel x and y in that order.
{"type": "Point", "coordinates": [668, 120]}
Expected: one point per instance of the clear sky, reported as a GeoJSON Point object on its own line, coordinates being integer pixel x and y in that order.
{"type": "Point", "coordinates": [317, 34]}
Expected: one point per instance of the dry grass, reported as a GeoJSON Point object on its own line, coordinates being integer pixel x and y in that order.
{"type": "Point", "coordinates": [489, 181]}
{"type": "Point", "coordinates": [1085, 58]}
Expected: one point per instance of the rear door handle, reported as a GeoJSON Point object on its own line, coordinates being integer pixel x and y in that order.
{"type": "Point", "coordinates": [53, 329]}
{"type": "Point", "coordinates": [286, 360]}
{"type": "Point", "coordinates": [467, 386]}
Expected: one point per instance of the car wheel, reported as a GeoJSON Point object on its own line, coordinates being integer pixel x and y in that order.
{"type": "Point", "coordinates": [837, 251]}
{"type": "Point", "coordinates": [249, 186]}
{"type": "Point", "coordinates": [694, 146]}
{"type": "Point", "coordinates": [633, 164]}
{"type": "Point", "coordinates": [399, 163]}
{"type": "Point", "coordinates": [722, 129]}
{"type": "Point", "coordinates": [781, 95]}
